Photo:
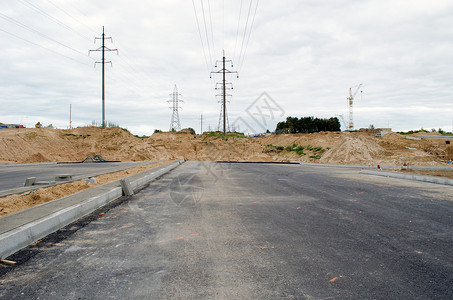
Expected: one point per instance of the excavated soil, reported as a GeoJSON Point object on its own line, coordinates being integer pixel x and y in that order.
{"type": "Point", "coordinates": [32, 145]}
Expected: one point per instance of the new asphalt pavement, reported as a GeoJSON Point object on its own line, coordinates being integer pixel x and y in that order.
{"type": "Point", "coordinates": [12, 176]}
{"type": "Point", "coordinates": [250, 231]}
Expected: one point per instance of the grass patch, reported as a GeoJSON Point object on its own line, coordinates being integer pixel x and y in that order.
{"type": "Point", "coordinates": [316, 152]}
{"type": "Point", "coordinates": [228, 134]}
{"type": "Point", "coordinates": [296, 148]}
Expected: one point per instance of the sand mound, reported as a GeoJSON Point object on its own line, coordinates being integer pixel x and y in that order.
{"type": "Point", "coordinates": [354, 149]}
{"type": "Point", "coordinates": [30, 145]}
{"type": "Point", "coordinates": [323, 139]}
{"type": "Point", "coordinates": [27, 145]}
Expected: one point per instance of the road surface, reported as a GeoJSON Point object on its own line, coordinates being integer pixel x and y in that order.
{"type": "Point", "coordinates": [14, 176]}
{"type": "Point", "coordinates": [251, 231]}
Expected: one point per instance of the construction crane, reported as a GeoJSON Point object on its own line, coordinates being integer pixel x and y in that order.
{"type": "Point", "coordinates": [351, 101]}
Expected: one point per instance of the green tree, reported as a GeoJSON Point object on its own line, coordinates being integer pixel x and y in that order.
{"type": "Point", "coordinates": [307, 125]}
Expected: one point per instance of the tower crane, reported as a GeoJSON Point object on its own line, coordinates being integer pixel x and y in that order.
{"type": "Point", "coordinates": [350, 102]}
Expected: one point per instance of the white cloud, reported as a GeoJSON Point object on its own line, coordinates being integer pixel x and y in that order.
{"type": "Point", "coordinates": [305, 54]}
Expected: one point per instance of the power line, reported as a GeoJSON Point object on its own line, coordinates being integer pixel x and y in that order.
{"type": "Point", "coordinates": [202, 43]}
{"type": "Point", "coordinates": [212, 29]}
{"type": "Point", "coordinates": [126, 82]}
{"type": "Point", "coordinates": [71, 16]}
{"type": "Point", "coordinates": [237, 30]}
{"type": "Point", "coordinates": [245, 32]}
{"type": "Point", "coordinates": [248, 39]}
{"type": "Point", "coordinates": [137, 74]}
{"type": "Point", "coordinates": [128, 79]}
{"type": "Point", "coordinates": [206, 30]}
{"type": "Point", "coordinates": [33, 43]}
{"type": "Point", "coordinates": [55, 20]}
{"type": "Point", "coordinates": [13, 21]}
{"type": "Point", "coordinates": [132, 71]}
{"type": "Point", "coordinates": [201, 37]}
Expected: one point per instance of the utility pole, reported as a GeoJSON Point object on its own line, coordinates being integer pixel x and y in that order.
{"type": "Point", "coordinates": [201, 124]}
{"type": "Point", "coordinates": [103, 48]}
{"type": "Point", "coordinates": [224, 71]}
{"type": "Point", "coordinates": [175, 124]}
{"type": "Point", "coordinates": [70, 116]}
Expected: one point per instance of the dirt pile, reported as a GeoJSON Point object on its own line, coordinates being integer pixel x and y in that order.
{"type": "Point", "coordinates": [43, 144]}
{"type": "Point", "coordinates": [210, 147]}
{"type": "Point", "coordinates": [319, 139]}
{"type": "Point", "coordinates": [27, 145]}
{"type": "Point", "coordinates": [413, 150]}
{"type": "Point", "coordinates": [354, 149]}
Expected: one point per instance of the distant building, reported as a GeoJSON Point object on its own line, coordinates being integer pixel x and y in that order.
{"type": "Point", "coordinates": [3, 126]}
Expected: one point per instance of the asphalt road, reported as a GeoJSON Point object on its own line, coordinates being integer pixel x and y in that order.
{"type": "Point", "coordinates": [251, 231]}
{"type": "Point", "coordinates": [14, 177]}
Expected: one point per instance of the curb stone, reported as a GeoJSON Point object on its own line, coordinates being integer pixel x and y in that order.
{"type": "Point", "coordinates": [424, 178]}
{"type": "Point", "coordinates": [23, 228]}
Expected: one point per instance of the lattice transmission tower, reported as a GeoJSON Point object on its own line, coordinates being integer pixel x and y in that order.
{"type": "Point", "coordinates": [223, 94]}
{"type": "Point", "coordinates": [223, 111]}
{"type": "Point", "coordinates": [175, 124]}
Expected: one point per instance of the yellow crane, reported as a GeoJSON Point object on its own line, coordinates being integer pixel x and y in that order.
{"type": "Point", "coordinates": [351, 101]}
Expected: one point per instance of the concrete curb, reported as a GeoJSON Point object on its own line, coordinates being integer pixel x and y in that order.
{"type": "Point", "coordinates": [375, 167]}
{"type": "Point", "coordinates": [332, 165]}
{"type": "Point", "coordinates": [28, 165]}
{"type": "Point", "coordinates": [424, 178]}
{"type": "Point", "coordinates": [23, 236]}
{"type": "Point", "coordinates": [20, 237]}
{"type": "Point", "coordinates": [20, 190]}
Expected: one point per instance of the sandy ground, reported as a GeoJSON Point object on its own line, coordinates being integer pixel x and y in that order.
{"type": "Point", "coordinates": [14, 203]}
{"type": "Point", "coordinates": [31, 145]}
{"type": "Point", "coordinates": [40, 145]}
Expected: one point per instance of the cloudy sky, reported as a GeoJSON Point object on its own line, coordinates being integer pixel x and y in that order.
{"type": "Point", "coordinates": [305, 55]}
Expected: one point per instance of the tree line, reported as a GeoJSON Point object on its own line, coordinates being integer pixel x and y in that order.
{"type": "Point", "coordinates": [307, 125]}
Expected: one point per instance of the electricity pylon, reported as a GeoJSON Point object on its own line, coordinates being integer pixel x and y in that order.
{"type": "Point", "coordinates": [175, 125]}
{"type": "Point", "coordinates": [223, 112]}
{"type": "Point", "coordinates": [103, 48]}
{"type": "Point", "coordinates": [224, 71]}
